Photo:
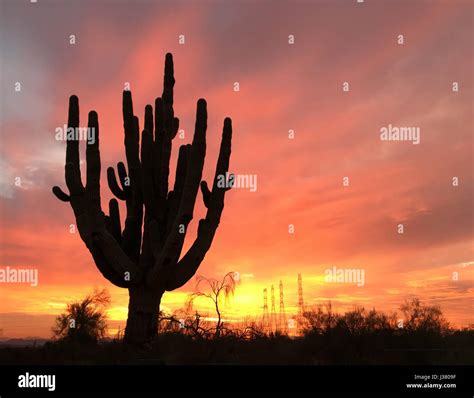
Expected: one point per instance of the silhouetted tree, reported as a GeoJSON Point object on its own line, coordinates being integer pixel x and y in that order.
{"type": "Point", "coordinates": [216, 291]}
{"type": "Point", "coordinates": [423, 318]}
{"type": "Point", "coordinates": [145, 256]}
{"type": "Point", "coordinates": [185, 323]}
{"type": "Point", "coordinates": [84, 321]}
{"type": "Point", "coordinates": [319, 319]}
{"type": "Point", "coordinates": [418, 317]}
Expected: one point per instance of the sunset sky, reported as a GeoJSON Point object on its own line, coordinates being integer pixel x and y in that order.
{"type": "Point", "coordinates": [300, 181]}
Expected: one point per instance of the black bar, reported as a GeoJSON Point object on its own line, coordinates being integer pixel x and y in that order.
{"type": "Point", "coordinates": [235, 378]}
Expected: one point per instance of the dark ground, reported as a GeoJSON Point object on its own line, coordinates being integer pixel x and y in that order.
{"type": "Point", "coordinates": [384, 347]}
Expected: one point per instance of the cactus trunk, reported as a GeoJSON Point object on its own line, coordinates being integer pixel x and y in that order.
{"type": "Point", "coordinates": [143, 310]}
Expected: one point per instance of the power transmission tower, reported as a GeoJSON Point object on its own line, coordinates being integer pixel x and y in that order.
{"type": "Point", "coordinates": [273, 325]}
{"type": "Point", "coordinates": [300, 296]}
{"type": "Point", "coordinates": [283, 326]}
{"type": "Point", "coordinates": [265, 311]}
{"type": "Point", "coordinates": [300, 317]}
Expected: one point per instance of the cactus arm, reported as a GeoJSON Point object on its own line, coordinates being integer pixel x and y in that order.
{"type": "Point", "coordinates": [159, 132]}
{"type": "Point", "coordinates": [111, 261]}
{"type": "Point", "coordinates": [174, 197]}
{"type": "Point", "coordinates": [72, 150]}
{"type": "Point", "coordinates": [114, 217]}
{"type": "Point", "coordinates": [206, 193]}
{"type": "Point", "coordinates": [147, 174]}
{"type": "Point", "coordinates": [113, 185]}
{"type": "Point", "coordinates": [195, 162]}
{"type": "Point", "coordinates": [132, 233]}
{"type": "Point", "coordinates": [190, 262]}
{"type": "Point", "coordinates": [93, 164]}
{"type": "Point", "coordinates": [58, 192]}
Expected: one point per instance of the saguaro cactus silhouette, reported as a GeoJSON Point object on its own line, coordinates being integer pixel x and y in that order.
{"type": "Point", "coordinates": [145, 256]}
